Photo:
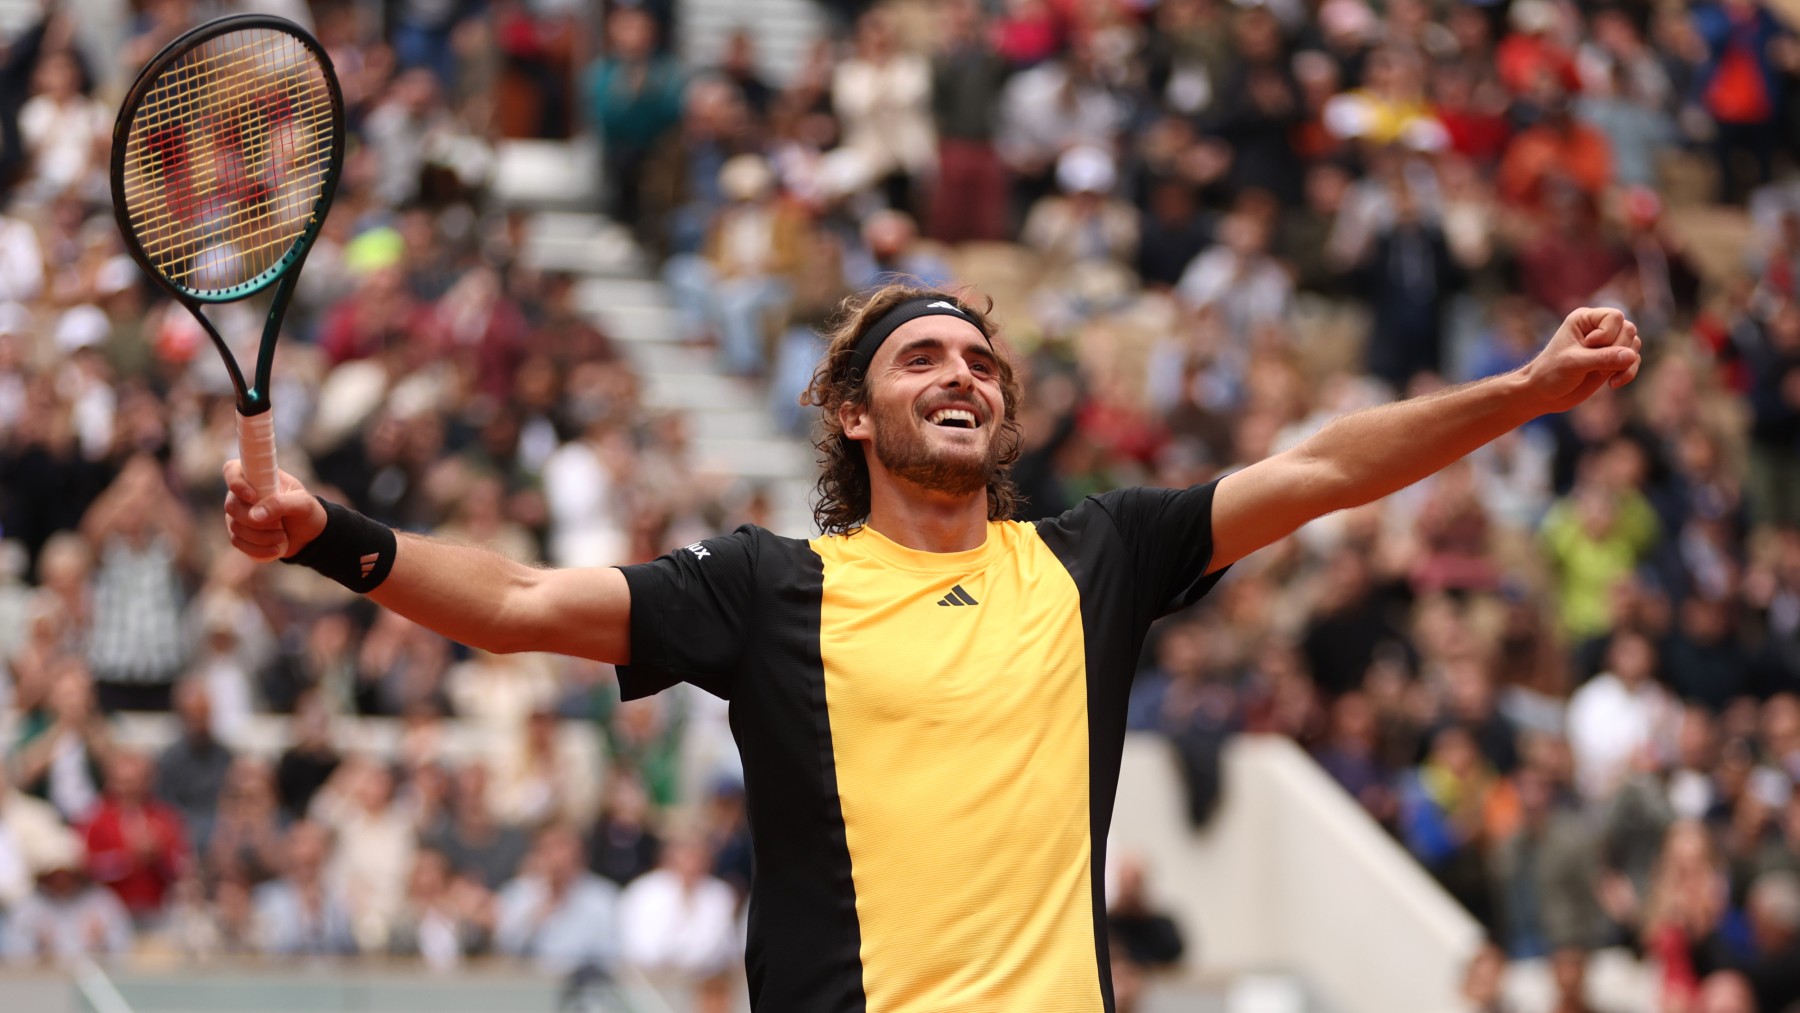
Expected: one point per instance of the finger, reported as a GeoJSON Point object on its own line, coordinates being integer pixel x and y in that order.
{"type": "Point", "coordinates": [248, 538]}
{"type": "Point", "coordinates": [1610, 359]}
{"type": "Point", "coordinates": [239, 510]}
{"type": "Point", "coordinates": [235, 481]}
{"type": "Point", "coordinates": [1628, 375]}
{"type": "Point", "coordinates": [1596, 327]}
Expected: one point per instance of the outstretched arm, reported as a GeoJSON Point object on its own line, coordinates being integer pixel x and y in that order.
{"type": "Point", "coordinates": [468, 594]}
{"type": "Point", "coordinates": [1367, 455]}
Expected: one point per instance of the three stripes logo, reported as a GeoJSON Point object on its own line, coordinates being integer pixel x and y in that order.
{"type": "Point", "coordinates": [958, 597]}
{"type": "Point", "coordinates": [368, 563]}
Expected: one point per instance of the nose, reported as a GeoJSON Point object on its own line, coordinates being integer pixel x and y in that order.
{"type": "Point", "coordinates": [957, 374]}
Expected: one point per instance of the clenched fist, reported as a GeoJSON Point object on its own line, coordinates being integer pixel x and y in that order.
{"type": "Point", "coordinates": [1592, 347]}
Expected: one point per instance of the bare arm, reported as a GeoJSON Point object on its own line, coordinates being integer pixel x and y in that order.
{"type": "Point", "coordinates": [1369, 454]}
{"type": "Point", "coordinates": [468, 594]}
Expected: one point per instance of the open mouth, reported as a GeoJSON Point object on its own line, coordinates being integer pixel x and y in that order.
{"type": "Point", "coordinates": [954, 418]}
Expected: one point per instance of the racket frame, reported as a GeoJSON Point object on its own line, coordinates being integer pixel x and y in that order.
{"type": "Point", "coordinates": [252, 397]}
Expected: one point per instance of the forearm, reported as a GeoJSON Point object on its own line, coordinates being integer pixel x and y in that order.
{"type": "Point", "coordinates": [487, 601]}
{"type": "Point", "coordinates": [460, 591]}
{"type": "Point", "coordinates": [1370, 454]}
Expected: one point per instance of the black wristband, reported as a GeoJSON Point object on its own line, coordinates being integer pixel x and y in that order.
{"type": "Point", "coordinates": [353, 550]}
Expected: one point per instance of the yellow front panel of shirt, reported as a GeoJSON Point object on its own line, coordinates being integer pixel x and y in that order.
{"type": "Point", "coordinates": [960, 738]}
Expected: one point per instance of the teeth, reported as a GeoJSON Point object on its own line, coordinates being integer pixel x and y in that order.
{"type": "Point", "coordinates": [943, 415]}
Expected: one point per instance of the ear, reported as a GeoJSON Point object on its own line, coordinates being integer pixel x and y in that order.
{"type": "Point", "coordinates": [857, 421]}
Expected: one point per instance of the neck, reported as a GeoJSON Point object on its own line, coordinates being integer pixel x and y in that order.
{"type": "Point", "coordinates": [924, 520]}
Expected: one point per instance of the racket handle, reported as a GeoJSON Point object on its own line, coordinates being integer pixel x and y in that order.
{"type": "Point", "coordinates": [256, 446]}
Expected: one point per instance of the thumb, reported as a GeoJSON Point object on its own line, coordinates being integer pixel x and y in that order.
{"type": "Point", "coordinates": [283, 505]}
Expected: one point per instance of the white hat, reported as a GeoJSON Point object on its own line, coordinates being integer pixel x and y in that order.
{"type": "Point", "coordinates": [746, 178]}
{"type": "Point", "coordinates": [1086, 169]}
{"type": "Point", "coordinates": [1532, 16]}
{"type": "Point", "coordinates": [82, 327]}
{"type": "Point", "coordinates": [14, 318]}
{"type": "Point", "coordinates": [116, 275]}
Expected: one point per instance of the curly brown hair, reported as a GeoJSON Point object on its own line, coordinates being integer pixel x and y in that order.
{"type": "Point", "coordinates": [843, 489]}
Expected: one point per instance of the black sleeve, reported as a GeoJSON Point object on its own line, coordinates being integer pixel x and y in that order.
{"type": "Point", "coordinates": [691, 616]}
{"type": "Point", "coordinates": [1168, 538]}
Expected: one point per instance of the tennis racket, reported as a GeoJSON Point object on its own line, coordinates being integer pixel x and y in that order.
{"type": "Point", "coordinates": [225, 157]}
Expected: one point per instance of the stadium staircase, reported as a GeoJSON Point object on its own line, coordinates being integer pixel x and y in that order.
{"type": "Point", "coordinates": [729, 426]}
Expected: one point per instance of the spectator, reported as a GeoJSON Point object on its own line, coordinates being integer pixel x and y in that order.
{"type": "Point", "coordinates": [1086, 227]}
{"type": "Point", "coordinates": [66, 918]}
{"type": "Point", "coordinates": [1619, 717]}
{"type": "Point", "coordinates": [191, 772]}
{"type": "Point", "coordinates": [967, 77]}
{"type": "Point", "coordinates": [883, 98]}
{"type": "Point", "coordinates": [1049, 109]}
{"type": "Point", "coordinates": [540, 781]}
{"type": "Point", "coordinates": [633, 99]}
{"type": "Point", "coordinates": [444, 919]}
{"type": "Point", "coordinates": [1726, 992]}
{"type": "Point", "coordinates": [1148, 936]}
{"type": "Point", "coordinates": [471, 840]}
{"type": "Point", "coordinates": [65, 132]}
{"type": "Point", "coordinates": [678, 920]}
{"type": "Point", "coordinates": [245, 845]}
{"type": "Point", "coordinates": [1546, 875]}
{"type": "Point", "coordinates": [301, 913]}
{"type": "Point", "coordinates": [32, 838]}
{"type": "Point", "coordinates": [63, 743]}
{"type": "Point", "coordinates": [740, 284]}
{"type": "Point", "coordinates": [1410, 277]}
{"type": "Point", "coordinates": [624, 845]}
{"type": "Point", "coordinates": [1680, 924]}
{"type": "Point", "coordinates": [136, 845]}
{"type": "Point", "coordinates": [1738, 87]}
{"type": "Point", "coordinates": [556, 914]}
{"type": "Point", "coordinates": [1774, 915]}
{"type": "Point", "coordinates": [1568, 966]}
{"type": "Point", "coordinates": [309, 763]}
{"type": "Point", "coordinates": [375, 843]}
{"type": "Point", "coordinates": [139, 533]}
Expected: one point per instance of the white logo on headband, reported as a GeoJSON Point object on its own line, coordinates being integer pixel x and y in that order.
{"type": "Point", "coordinates": [941, 305]}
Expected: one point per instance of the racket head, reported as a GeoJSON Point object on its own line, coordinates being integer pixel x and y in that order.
{"type": "Point", "coordinates": [226, 154]}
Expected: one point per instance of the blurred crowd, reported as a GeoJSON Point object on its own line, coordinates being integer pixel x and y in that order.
{"type": "Point", "coordinates": [1564, 673]}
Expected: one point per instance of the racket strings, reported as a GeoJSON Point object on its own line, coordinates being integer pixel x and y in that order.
{"type": "Point", "coordinates": [227, 156]}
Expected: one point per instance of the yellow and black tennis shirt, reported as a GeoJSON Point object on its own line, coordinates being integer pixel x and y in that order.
{"type": "Point", "coordinates": [931, 743]}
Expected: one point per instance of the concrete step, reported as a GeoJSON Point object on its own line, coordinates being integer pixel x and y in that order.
{"type": "Point", "coordinates": [783, 32]}
{"type": "Point", "coordinates": [582, 243]}
{"type": "Point", "coordinates": [602, 293]}
{"type": "Point", "coordinates": [547, 174]}
{"type": "Point", "coordinates": [653, 357]}
{"type": "Point", "coordinates": [700, 392]}
{"type": "Point", "coordinates": [732, 424]}
{"type": "Point", "coordinates": [638, 323]}
{"type": "Point", "coordinates": [753, 459]}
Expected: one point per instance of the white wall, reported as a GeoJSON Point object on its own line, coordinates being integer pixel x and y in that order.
{"type": "Point", "coordinates": [1291, 875]}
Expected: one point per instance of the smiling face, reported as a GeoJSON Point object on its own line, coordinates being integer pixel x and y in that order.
{"type": "Point", "coordinates": [935, 406]}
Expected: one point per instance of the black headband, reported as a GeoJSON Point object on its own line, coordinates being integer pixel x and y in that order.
{"type": "Point", "coordinates": [911, 309]}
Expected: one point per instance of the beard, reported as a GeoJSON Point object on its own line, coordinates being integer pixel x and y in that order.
{"type": "Point", "coordinates": [908, 454]}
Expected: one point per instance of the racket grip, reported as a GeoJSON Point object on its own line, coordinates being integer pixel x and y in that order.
{"type": "Point", "coordinates": [256, 446]}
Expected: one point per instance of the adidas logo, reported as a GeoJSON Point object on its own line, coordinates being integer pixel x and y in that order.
{"type": "Point", "coordinates": [368, 563]}
{"type": "Point", "coordinates": [958, 597]}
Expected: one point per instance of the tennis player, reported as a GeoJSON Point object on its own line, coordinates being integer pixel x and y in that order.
{"type": "Point", "coordinates": [930, 698]}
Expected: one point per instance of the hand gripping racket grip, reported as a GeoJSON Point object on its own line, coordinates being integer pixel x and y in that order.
{"type": "Point", "coordinates": [256, 447]}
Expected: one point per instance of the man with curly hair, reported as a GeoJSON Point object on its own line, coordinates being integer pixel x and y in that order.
{"type": "Point", "coordinates": [930, 697]}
